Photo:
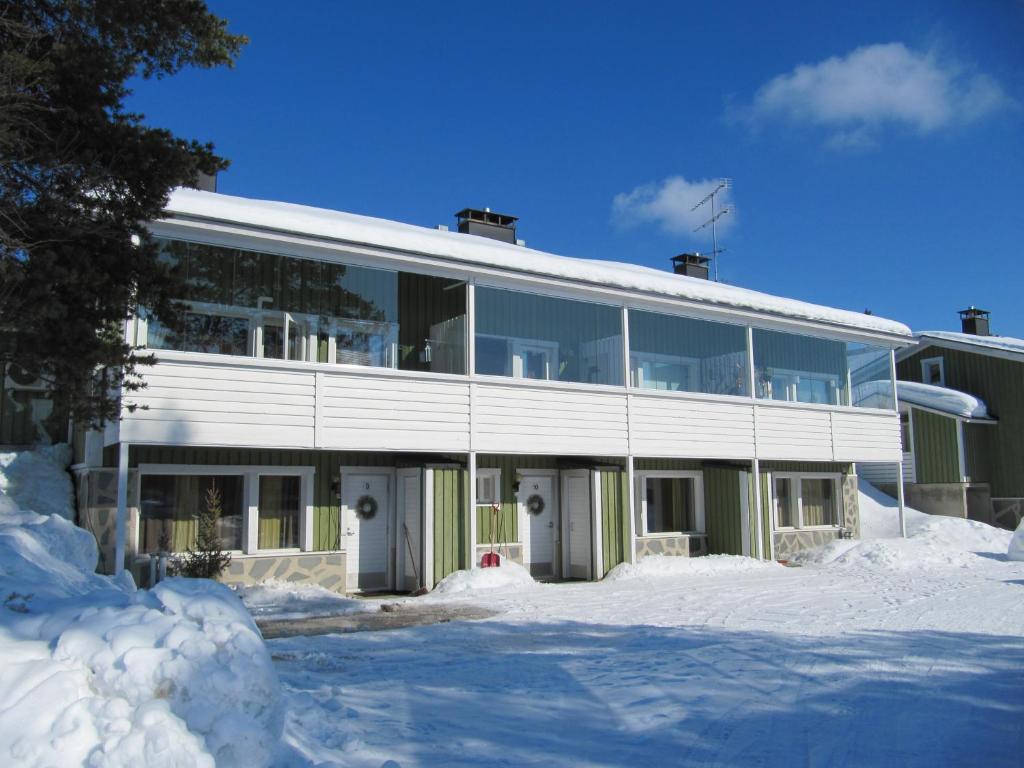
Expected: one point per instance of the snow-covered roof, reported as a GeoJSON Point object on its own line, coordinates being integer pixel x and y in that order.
{"type": "Point", "coordinates": [366, 230]}
{"type": "Point", "coordinates": [942, 399]}
{"type": "Point", "coordinates": [878, 394]}
{"type": "Point", "coordinates": [999, 343]}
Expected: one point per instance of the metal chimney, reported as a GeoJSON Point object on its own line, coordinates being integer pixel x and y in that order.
{"type": "Point", "coordinates": [486, 223]}
{"type": "Point", "coordinates": [974, 321]}
{"type": "Point", "coordinates": [691, 265]}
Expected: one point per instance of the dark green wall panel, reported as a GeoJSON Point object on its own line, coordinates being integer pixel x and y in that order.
{"type": "Point", "coordinates": [936, 453]}
{"type": "Point", "coordinates": [1000, 383]}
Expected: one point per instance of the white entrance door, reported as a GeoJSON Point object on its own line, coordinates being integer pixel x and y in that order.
{"type": "Point", "coordinates": [409, 530]}
{"type": "Point", "coordinates": [365, 515]}
{"type": "Point", "coordinates": [538, 516]}
{"type": "Point", "coordinates": [576, 526]}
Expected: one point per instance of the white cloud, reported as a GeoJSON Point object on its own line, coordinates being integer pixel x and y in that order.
{"type": "Point", "coordinates": [669, 204]}
{"type": "Point", "coordinates": [854, 95]}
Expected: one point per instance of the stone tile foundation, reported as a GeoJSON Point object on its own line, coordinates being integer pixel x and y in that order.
{"type": "Point", "coordinates": [324, 569]}
{"type": "Point", "coordinates": [788, 543]}
{"type": "Point", "coordinates": [678, 546]}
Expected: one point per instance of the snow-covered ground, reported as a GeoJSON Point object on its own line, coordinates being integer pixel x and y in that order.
{"type": "Point", "coordinates": [94, 672]}
{"type": "Point", "coordinates": [875, 652]}
{"type": "Point", "coordinates": [878, 652]}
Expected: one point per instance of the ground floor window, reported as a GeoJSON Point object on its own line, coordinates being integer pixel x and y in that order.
{"type": "Point", "coordinates": [169, 508]}
{"type": "Point", "coordinates": [807, 501]}
{"type": "Point", "coordinates": [671, 502]}
{"type": "Point", "coordinates": [488, 487]}
{"type": "Point", "coordinates": [263, 508]}
{"type": "Point", "coordinates": [280, 510]}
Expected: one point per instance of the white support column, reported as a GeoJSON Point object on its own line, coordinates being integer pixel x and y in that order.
{"type": "Point", "coordinates": [758, 511]}
{"type": "Point", "coordinates": [631, 495]}
{"type": "Point", "coordinates": [471, 559]}
{"type": "Point", "coordinates": [961, 454]}
{"type": "Point", "coordinates": [251, 524]}
{"type": "Point", "coordinates": [751, 378]}
{"type": "Point", "coordinates": [630, 459]}
{"type": "Point", "coordinates": [597, 503]}
{"type": "Point", "coordinates": [892, 374]}
{"type": "Point", "coordinates": [471, 327]}
{"type": "Point", "coordinates": [471, 371]}
{"type": "Point", "coordinates": [899, 499]}
{"type": "Point", "coordinates": [428, 528]}
{"type": "Point", "coordinates": [121, 533]}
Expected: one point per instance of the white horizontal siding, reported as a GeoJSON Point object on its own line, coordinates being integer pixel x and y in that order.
{"type": "Point", "coordinates": [376, 413]}
{"type": "Point", "coordinates": [257, 405]}
{"type": "Point", "coordinates": [678, 427]}
{"type": "Point", "coordinates": [798, 434]}
{"type": "Point", "coordinates": [886, 473]}
{"type": "Point", "coordinates": [519, 419]}
{"type": "Point", "coordinates": [867, 436]}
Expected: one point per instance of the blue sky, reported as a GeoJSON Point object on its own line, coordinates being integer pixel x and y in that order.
{"type": "Point", "coordinates": [876, 148]}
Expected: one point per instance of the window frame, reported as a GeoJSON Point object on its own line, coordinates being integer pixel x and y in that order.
{"type": "Point", "coordinates": [251, 474]}
{"type": "Point", "coordinates": [696, 475]}
{"type": "Point", "coordinates": [796, 483]}
{"type": "Point", "coordinates": [794, 383]}
{"type": "Point", "coordinates": [638, 359]}
{"type": "Point", "coordinates": [926, 363]}
{"type": "Point", "coordinates": [493, 475]}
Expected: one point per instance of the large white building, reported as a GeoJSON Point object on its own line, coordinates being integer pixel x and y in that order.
{"type": "Point", "coordinates": [376, 402]}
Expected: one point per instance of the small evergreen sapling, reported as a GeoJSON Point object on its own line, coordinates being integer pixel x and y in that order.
{"type": "Point", "coordinates": [205, 559]}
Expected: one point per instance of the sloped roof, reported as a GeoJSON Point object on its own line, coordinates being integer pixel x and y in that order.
{"type": "Point", "coordinates": [1005, 345]}
{"type": "Point", "coordinates": [366, 230]}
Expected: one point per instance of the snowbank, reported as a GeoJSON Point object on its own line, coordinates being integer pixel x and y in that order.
{"type": "Point", "coordinates": [95, 672]}
{"type": "Point", "coordinates": [26, 477]}
{"type": "Point", "coordinates": [669, 567]}
{"type": "Point", "coordinates": [274, 599]}
{"type": "Point", "coordinates": [508, 574]}
{"type": "Point", "coordinates": [1016, 548]}
{"type": "Point", "coordinates": [931, 540]}
{"type": "Point", "coordinates": [943, 399]}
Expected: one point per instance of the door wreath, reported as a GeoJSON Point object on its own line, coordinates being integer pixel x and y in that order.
{"type": "Point", "coordinates": [366, 507]}
{"type": "Point", "coordinates": [535, 504]}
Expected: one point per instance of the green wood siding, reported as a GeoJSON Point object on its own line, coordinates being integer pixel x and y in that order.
{"type": "Point", "coordinates": [451, 534]}
{"type": "Point", "coordinates": [722, 510]}
{"type": "Point", "coordinates": [995, 453]}
{"type": "Point", "coordinates": [326, 508]}
{"type": "Point", "coordinates": [508, 520]}
{"type": "Point", "coordinates": [977, 450]}
{"type": "Point", "coordinates": [936, 454]}
{"type": "Point", "coordinates": [614, 517]}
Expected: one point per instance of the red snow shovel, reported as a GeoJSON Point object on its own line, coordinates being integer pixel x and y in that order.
{"type": "Point", "coordinates": [492, 559]}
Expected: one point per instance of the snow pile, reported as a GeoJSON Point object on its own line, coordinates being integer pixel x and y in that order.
{"type": "Point", "coordinates": [275, 599]}
{"type": "Point", "coordinates": [26, 477]}
{"type": "Point", "coordinates": [671, 567]}
{"type": "Point", "coordinates": [94, 672]}
{"type": "Point", "coordinates": [931, 540]}
{"type": "Point", "coordinates": [1016, 548]}
{"type": "Point", "coordinates": [943, 399]}
{"type": "Point", "coordinates": [508, 574]}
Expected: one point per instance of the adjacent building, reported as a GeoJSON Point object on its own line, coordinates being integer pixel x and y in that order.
{"type": "Point", "coordinates": [376, 403]}
{"type": "Point", "coordinates": [964, 437]}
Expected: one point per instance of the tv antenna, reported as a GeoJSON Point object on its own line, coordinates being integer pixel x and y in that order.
{"type": "Point", "coordinates": [723, 184]}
